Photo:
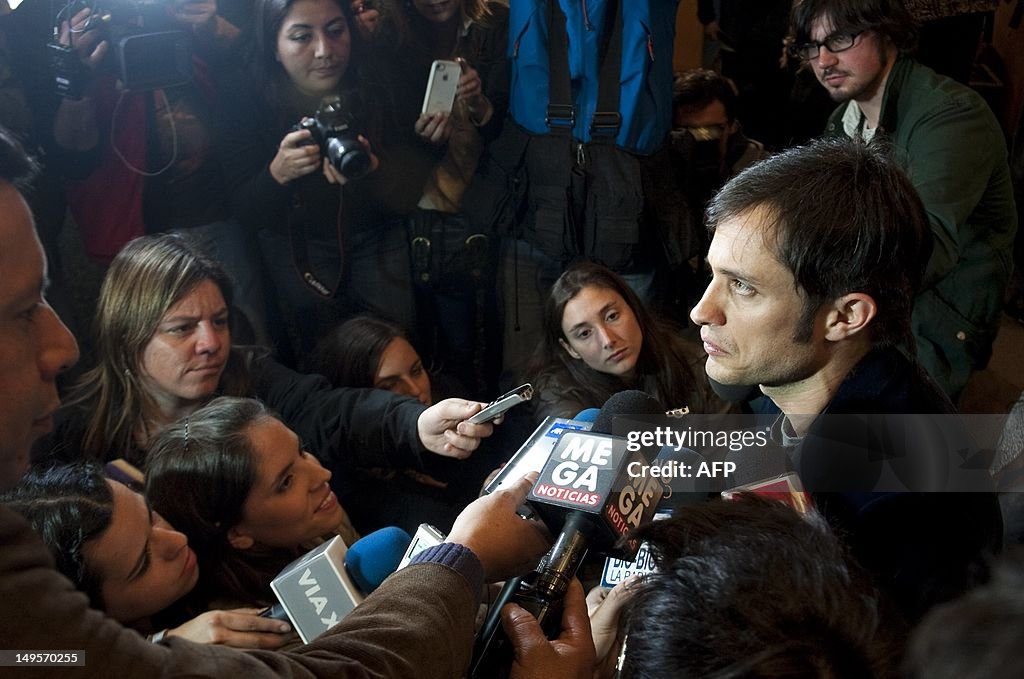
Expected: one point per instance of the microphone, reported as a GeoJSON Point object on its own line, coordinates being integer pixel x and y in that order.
{"type": "Point", "coordinates": [624, 404]}
{"type": "Point", "coordinates": [589, 472]}
{"type": "Point", "coordinates": [587, 415]}
{"type": "Point", "coordinates": [371, 559]}
{"type": "Point", "coordinates": [319, 589]}
{"type": "Point", "coordinates": [533, 454]}
{"type": "Point", "coordinates": [586, 496]}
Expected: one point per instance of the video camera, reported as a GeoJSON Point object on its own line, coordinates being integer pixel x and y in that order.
{"type": "Point", "coordinates": [147, 51]}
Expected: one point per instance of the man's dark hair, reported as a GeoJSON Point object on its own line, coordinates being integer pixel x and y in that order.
{"type": "Point", "coordinates": [888, 18]}
{"type": "Point", "coordinates": [843, 217]}
{"type": "Point", "coordinates": [16, 166]}
{"type": "Point", "coordinates": [700, 87]}
{"type": "Point", "coordinates": [978, 635]}
{"type": "Point", "coordinates": [749, 588]}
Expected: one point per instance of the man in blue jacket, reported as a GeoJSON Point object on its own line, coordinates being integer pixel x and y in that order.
{"type": "Point", "coordinates": [955, 154]}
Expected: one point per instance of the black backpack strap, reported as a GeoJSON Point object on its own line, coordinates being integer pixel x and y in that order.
{"type": "Point", "coordinates": [561, 114]}
{"type": "Point", "coordinates": [607, 120]}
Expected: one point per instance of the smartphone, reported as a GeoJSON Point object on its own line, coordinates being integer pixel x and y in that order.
{"type": "Point", "coordinates": [440, 94]}
{"type": "Point", "coordinates": [499, 405]}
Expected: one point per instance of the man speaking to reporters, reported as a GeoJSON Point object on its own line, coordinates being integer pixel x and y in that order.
{"type": "Point", "coordinates": [816, 256]}
{"type": "Point", "coordinates": [418, 623]}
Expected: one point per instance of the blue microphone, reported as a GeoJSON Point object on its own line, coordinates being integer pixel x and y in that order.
{"type": "Point", "coordinates": [373, 558]}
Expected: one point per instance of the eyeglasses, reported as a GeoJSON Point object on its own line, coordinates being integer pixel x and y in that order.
{"type": "Point", "coordinates": [835, 43]}
{"type": "Point", "coordinates": [707, 132]}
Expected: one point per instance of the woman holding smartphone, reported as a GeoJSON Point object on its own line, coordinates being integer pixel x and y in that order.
{"type": "Point", "coordinates": [469, 39]}
{"type": "Point", "coordinates": [474, 35]}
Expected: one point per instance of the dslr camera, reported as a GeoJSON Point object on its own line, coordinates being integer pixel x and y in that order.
{"type": "Point", "coordinates": [333, 130]}
{"type": "Point", "coordinates": [147, 51]}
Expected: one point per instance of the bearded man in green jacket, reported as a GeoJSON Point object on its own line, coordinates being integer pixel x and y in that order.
{"type": "Point", "coordinates": [955, 153]}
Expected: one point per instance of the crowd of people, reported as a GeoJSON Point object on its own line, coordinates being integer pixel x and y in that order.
{"type": "Point", "coordinates": [301, 311]}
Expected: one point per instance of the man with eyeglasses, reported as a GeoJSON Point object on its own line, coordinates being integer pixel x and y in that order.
{"type": "Point", "coordinates": [708, 147]}
{"type": "Point", "coordinates": [705, 129]}
{"type": "Point", "coordinates": [955, 154]}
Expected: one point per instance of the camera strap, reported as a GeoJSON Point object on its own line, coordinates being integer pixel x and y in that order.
{"type": "Point", "coordinates": [300, 250]}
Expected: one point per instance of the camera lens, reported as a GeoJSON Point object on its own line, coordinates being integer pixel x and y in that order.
{"type": "Point", "coordinates": [348, 157]}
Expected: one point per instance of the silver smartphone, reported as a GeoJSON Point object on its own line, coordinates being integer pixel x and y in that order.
{"type": "Point", "coordinates": [499, 405]}
{"type": "Point", "coordinates": [441, 86]}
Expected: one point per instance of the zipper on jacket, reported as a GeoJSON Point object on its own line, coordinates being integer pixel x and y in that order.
{"type": "Point", "coordinates": [650, 40]}
{"type": "Point", "coordinates": [519, 36]}
{"type": "Point", "coordinates": [581, 156]}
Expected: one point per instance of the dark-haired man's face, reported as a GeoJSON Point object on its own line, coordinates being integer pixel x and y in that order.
{"type": "Point", "coordinates": [710, 126]}
{"type": "Point", "coordinates": [751, 313]}
{"type": "Point", "coordinates": [857, 73]}
{"type": "Point", "coordinates": [34, 345]}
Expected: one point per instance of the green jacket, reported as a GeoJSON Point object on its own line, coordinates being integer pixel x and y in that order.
{"type": "Point", "coordinates": [955, 154]}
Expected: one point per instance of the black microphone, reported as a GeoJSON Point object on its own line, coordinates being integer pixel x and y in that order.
{"type": "Point", "coordinates": [586, 495]}
{"type": "Point", "coordinates": [589, 472]}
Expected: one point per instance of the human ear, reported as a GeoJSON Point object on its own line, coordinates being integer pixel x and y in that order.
{"type": "Point", "coordinates": [239, 540]}
{"type": "Point", "coordinates": [849, 315]}
{"type": "Point", "coordinates": [569, 350]}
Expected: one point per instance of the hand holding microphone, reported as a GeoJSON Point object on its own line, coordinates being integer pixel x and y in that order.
{"type": "Point", "coordinates": [316, 591]}
{"type": "Point", "coordinates": [586, 494]}
{"type": "Point", "coordinates": [569, 656]}
{"type": "Point", "coordinates": [505, 543]}
{"type": "Point", "coordinates": [240, 628]}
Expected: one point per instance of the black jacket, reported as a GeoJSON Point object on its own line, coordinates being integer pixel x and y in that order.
{"type": "Point", "coordinates": [922, 547]}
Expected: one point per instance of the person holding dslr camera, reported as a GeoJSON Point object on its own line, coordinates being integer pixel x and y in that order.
{"type": "Point", "coordinates": [303, 110]}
